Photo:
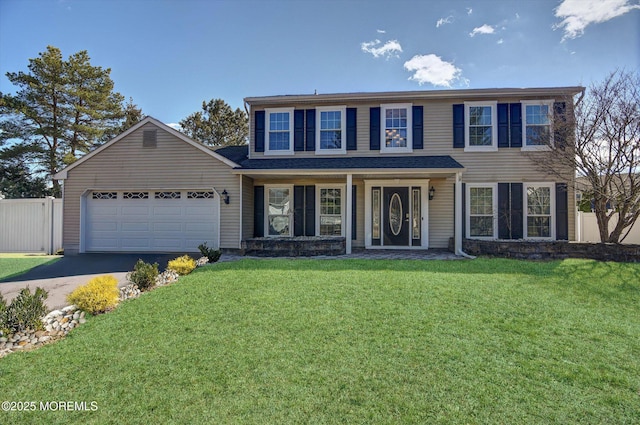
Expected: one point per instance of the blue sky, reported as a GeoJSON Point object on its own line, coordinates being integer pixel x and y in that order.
{"type": "Point", "coordinates": [169, 56]}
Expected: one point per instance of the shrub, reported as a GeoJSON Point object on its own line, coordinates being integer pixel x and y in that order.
{"type": "Point", "coordinates": [4, 329]}
{"type": "Point", "coordinates": [97, 296]}
{"type": "Point", "coordinates": [182, 265]}
{"type": "Point", "coordinates": [212, 255]}
{"type": "Point", "coordinates": [26, 310]}
{"type": "Point", "coordinates": [143, 275]}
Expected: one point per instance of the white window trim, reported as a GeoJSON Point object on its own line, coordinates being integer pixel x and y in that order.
{"type": "Point", "coordinates": [266, 209]}
{"type": "Point", "coordinates": [524, 103]}
{"type": "Point", "coordinates": [343, 130]}
{"type": "Point", "coordinates": [383, 109]}
{"type": "Point", "coordinates": [268, 151]}
{"type": "Point", "coordinates": [343, 195]}
{"type": "Point", "coordinates": [494, 187]}
{"type": "Point", "coordinates": [494, 127]}
{"type": "Point", "coordinates": [525, 210]}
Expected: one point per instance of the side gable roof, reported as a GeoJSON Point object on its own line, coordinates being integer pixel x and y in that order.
{"type": "Point", "coordinates": [62, 174]}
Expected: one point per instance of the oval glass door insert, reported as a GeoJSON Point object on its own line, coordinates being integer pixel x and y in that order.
{"type": "Point", "coordinates": [395, 214]}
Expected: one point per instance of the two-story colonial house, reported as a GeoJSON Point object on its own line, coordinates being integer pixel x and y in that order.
{"type": "Point", "coordinates": [392, 170]}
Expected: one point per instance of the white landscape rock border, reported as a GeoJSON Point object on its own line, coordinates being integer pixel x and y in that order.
{"type": "Point", "coordinates": [58, 323]}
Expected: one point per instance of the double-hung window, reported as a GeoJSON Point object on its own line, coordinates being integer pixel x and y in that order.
{"type": "Point", "coordinates": [331, 130]}
{"type": "Point", "coordinates": [279, 131]}
{"type": "Point", "coordinates": [396, 125]}
{"type": "Point", "coordinates": [536, 131]}
{"type": "Point", "coordinates": [330, 214]}
{"type": "Point", "coordinates": [482, 202]}
{"type": "Point", "coordinates": [481, 129]}
{"type": "Point", "coordinates": [539, 207]}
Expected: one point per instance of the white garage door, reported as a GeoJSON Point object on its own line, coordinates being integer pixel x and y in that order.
{"type": "Point", "coordinates": [151, 221]}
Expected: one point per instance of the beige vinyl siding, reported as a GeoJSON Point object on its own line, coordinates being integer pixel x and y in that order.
{"type": "Point", "coordinates": [508, 165]}
{"type": "Point", "coordinates": [441, 213]}
{"type": "Point", "coordinates": [173, 164]}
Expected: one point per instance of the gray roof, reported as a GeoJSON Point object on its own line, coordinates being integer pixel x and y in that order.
{"type": "Point", "coordinates": [346, 163]}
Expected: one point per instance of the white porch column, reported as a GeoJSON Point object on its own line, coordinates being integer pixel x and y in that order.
{"type": "Point", "coordinates": [347, 230]}
{"type": "Point", "coordinates": [458, 215]}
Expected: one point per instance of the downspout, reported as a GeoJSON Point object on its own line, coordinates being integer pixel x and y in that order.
{"type": "Point", "coordinates": [458, 219]}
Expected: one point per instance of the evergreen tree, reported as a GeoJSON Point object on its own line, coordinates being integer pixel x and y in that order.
{"type": "Point", "coordinates": [217, 124]}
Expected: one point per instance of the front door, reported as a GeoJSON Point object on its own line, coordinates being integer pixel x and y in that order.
{"type": "Point", "coordinates": [396, 215]}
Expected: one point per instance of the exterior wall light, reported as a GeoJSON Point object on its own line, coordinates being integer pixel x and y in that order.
{"type": "Point", "coordinates": [225, 196]}
{"type": "Point", "coordinates": [432, 192]}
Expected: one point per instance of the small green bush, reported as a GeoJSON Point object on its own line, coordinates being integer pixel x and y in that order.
{"type": "Point", "coordinates": [97, 296]}
{"type": "Point", "coordinates": [143, 275]}
{"type": "Point", "coordinates": [182, 265]}
{"type": "Point", "coordinates": [25, 311]}
{"type": "Point", "coordinates": [212, 255]}
{"type": "Point", "coordinates": [3, 316]}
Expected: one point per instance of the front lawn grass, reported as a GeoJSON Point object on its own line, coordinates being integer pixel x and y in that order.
{"type": "Point", "coordinates": [15, 264]}
{"type": "Point", "coordinates": [353, 341]}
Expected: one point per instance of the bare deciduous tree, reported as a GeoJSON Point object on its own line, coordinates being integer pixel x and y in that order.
{"type": "Point", "coordinates": [603, 145]}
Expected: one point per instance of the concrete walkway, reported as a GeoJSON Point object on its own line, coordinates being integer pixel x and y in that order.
{"type": "Point", "coordinates": [66, 274]}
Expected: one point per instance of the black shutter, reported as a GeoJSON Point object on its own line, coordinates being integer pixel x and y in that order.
{"type": "Point", "coordinates": [259, 126]}
{"type": "Point", "coordinates": [418, 128]}
{"type": "Point", "coordinates": [298, 130]}
{"type": "Point", "coordinates": [310, 211]}
{"type": "Point", "coordinates": [353, 212]}
{"type": "Point", "coordinates": [562, 212]}
{"type": "Point", "coordinates": [560, 128]}
{"type": "Point", "coordinates": [458, 126]}
{"type": "Point", "coordinates": [258, 211]}
{"type": "Point", "coordinates": [311, 129]}
{"type": "Point", "coordinates": [374, 129]}
{"type": "Point", "coordinates": [298, 210]}
{"type": "Point", "coordinates": [504, 211]}
{"type": "Point", "coordinates": [503, 125]}
{"type": "Point", "coordinates": [352, 129]}
{"type": "Point", "coordinates": [516, 210]}
{"type": "Point", "coordinates": [515, 125]}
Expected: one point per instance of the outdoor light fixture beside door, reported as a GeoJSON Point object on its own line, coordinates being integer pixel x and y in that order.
{"type": "Point", "coordinates": [432, 192]}
{"type": "Point", "coordinates": [225, 196]}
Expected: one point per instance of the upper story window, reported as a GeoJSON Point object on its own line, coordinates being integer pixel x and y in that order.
{"type": "Point", "coordinates": [536, 129]}
{"type": "Point", "coordinates": [331, 130]}
{"type": "Point", "coordinates": [396, 128]}
{"type": "Point", "coordinates": [279, 131]}
{"type": "Point", "coordinates": [481, 129]}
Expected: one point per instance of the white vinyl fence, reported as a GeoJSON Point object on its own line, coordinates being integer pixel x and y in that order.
{"type": "Point", "coordinates": [587, 229]}
{"type": "Point", "coordinates": [31, 225]}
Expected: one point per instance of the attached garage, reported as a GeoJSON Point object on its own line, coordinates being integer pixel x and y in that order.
{"type": "Point", "coordinates": [151, 220]}
{"type": "Point", "coordinates": [151, 189]}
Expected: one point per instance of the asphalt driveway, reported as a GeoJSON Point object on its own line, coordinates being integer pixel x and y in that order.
{"type": "Point", "coordinates": [66, 274]}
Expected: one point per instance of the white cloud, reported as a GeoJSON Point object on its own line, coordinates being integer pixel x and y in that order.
{"type": "Point", "coordinates": [443, 21]}
{"type": "Point", "coordinates": [381, 31]}
{"type": "Point", "coordinates": [469, 11]}
{"type": "Point", "coordinates": [501, 41]}
{"type": "Point", "coordinates": [432, 69]}
{"type": "Point", "coordinates": [577, 15]}
{"type": "Point", "coordinates": [485, 29]}
{"type": "Point", "coordinates": [174, 125]}
{"type": "Point", "coordinates": [388, 49]}
{"type": "Point", "coordinates": [517, 15]}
